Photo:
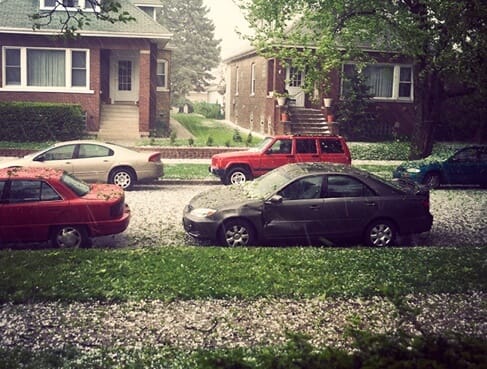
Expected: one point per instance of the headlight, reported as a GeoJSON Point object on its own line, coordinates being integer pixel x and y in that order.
{"type": "Point", "coordinates": [203, 212]}
{"type": "Point", "coordinates": [413, 170]}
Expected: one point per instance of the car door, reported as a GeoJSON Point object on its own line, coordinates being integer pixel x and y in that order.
{"type": "Point", "coordinates": [331, 150]}
{"type": "Point", "coordinates": [278, 154]}
{"type": "Point", "coordinates": [348, 206]}
{"type": "Point", "coordinates": [93, 162]}
{"type": "Point", "coordinates": [28, 209]}
{"type": "Point", "coordinates": [59, 157]}
{"type": "Point", "coordinates": [295, 211]}
{"type": "Point", "coordinates": [463, 167]}
{"type": "Point", "coordinates": [306, 150]}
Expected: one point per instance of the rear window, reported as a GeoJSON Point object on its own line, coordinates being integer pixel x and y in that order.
{"type": "Point", "coordinates": [79, 187]}
{"type": "Point", "coordinates": [331, 146]}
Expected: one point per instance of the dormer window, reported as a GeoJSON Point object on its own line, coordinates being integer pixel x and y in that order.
{"type": "Point", "coordinates": [69, 4]}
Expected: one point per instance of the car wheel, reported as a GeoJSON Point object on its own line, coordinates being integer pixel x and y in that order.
{"type": "Point", "coordinates": [380, 233]}
{"type": "Point", "coordinates": [237, 175]}
{"type": "Point", "coordinates": [237, 232]}
{"type": "Point", "coordinates": [122, 177]}
{"type": "Point", "coordinates": [432, 180]}
{"type": "Point", "coordinates": [72, 237]}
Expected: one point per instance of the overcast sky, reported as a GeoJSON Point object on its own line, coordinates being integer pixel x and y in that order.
{"type": "Point", "coordinates": [227, 18]}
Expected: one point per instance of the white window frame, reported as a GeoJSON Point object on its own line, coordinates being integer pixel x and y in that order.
{"type": "Point", "coordinates": [237, 80]}
{"type": "Point", "coordinates": [395, 82]}
{"type": "Point", "coordinates": [252, 79]}
{"type": "Point", "coordinates": [82, 4]}
{"type": "Point", "coordinates": [23, 86]}
{"type": "Point", "coordinates": [166, 68]}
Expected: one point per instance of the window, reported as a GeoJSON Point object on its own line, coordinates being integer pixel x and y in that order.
{"type": "Point", "coordinates": [295, 77]}
{"type": "Point", "coordinates": [283, 146]}
{"type": "Point", "coordinates": [161, 74]}
{"type": "Point", "coordinates": [329, 146]}
{"type": "Point", "coordinates": [237, 80]}
{"type": "Point", "coordinates": [45, 69]}
{"type": "Point", "coordinates": [58, 153]}
{"type": "Point", "coordinates": [303, 189]}
{"type": "Point", "coordinates": [82, 4]}
{"type": "Point", "coordinates": [28, 190]}
{"type": "Point", "coordinates": [252, 79]}
{"type": "Point", "coordinates": [345, 186]}
{"type": "Point", "coordinates": [93, 151]}
{"type": "Point", "coordinates": [306, 146]}
{"type": "Point", "coordinates": [385, 81]}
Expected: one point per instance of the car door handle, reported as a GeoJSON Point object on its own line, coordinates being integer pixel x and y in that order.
{"type": "Point", "coordinates": [370, 203]}
{"type": "Point", "coordinates": [314, 207]}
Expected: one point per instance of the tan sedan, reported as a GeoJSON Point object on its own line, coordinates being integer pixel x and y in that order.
{"type": "Point", "coordinates": [94, 161]}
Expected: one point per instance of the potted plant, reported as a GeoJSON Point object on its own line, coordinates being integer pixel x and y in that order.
{"type": "Point", "coordinates": [281, 97]}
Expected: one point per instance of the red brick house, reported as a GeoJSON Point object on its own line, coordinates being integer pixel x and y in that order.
{"type": "Point", "coordinates": [109, 64]}
{"type": "Point", "coordinates": [252, 79]}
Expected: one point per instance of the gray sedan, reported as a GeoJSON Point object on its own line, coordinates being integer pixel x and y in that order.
{"type": "Point", "coordinates": [317, 202]}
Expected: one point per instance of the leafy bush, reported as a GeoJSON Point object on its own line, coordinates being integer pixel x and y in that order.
{"type": "Point", "coordinates": [210, 111]}
{"type": "Point", "coordinates": [36, 122]}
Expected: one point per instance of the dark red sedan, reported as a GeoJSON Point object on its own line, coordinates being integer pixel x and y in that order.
{"type": "Point", "coordinates": [41, 204]}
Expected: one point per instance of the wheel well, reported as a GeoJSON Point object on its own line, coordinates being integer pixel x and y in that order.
{"type": "Point", "coordinates": [433, 171]}
{"type": "Point", "coordinates": [222, 224]}
{"type": "Point", "coordinates": [123, 167]}
{"type": "Point", "coordinates": [237, 165]}
{"type": "Point", "coordinates": [383, 219]}
{"type": "Point", "coordinates": [84, 227]}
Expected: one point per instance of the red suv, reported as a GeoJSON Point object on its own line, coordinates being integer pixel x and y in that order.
{"type": "Point", "coordinates": [241, 166]}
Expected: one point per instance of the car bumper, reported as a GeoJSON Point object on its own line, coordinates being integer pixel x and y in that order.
{"type": "Point", "coordinates": [417, 225]}
{"type": "Point", "coordinates": [216, 171]}
{"type": "Point", "coordinates": [154, 172]}
{"type": "Point", "coordinates": [201, 228]}
{"type": "Point", "coordinates": [112, 226]}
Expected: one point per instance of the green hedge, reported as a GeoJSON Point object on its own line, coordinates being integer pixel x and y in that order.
{"type": "Point", "coordinates": [35, 122]}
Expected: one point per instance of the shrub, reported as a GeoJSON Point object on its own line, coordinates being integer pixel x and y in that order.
{"type": "Point", "coordinates": [36, 122]}
{"type": "Point", "coordinates": [210, 111]}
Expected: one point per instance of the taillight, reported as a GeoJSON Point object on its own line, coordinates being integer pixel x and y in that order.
{"type": "Point", "coordinates": [116, 210]}
{"type": "Point", "coordinates": [155, 158]}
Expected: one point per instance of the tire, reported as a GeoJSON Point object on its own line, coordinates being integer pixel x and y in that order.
{"type": "Point", "coordinates": [68, 236]}
{"type": "Point", "coordinates": [237, 232]}
{"type": "Point", "coordinates": [122, 177]}
{"type": "Point", "coordinates": [237, 175]}
{"type": "Point", "coordinates": [432, 180]}
{"type": "Point", "coordinates": [380, 233]}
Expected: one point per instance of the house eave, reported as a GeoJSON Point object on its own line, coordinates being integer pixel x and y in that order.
{"type": "Point", "coordinates": [152, 36]}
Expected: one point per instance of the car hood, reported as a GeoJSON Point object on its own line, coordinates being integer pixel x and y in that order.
{"type": "Point", "coordinates": [236, 154]}
{"type": "Point", "coordinates": [429, 162]}
{"type": "Point", "coordinates": [100, 191]}
{"type": "Point", "coordinates": [221, 197]}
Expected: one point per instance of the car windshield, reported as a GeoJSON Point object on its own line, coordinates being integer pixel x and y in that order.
{"type": "Point", "coordinates": [77, 186]}
{"type": "Point", "coordinates": [261, 145]}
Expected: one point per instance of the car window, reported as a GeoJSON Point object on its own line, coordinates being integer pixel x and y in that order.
{"type": "Point", "coordinates": [467, 155]}
{"type": "Point", "coordinates": [2, 186]}
{"type": "Point", "coordinates": [346, 186]}
{"type": "Point", "coordinates": [31, 190]}
{"type": "Point", "coordinates": [77, 186]}
{"type": "Point", "coordinates": [483, 155]}
{"type": "Point", "coordinates": [281, 147]}
{"type": "Point", "coordinates": [331, 146]}
{"type": "Point", "coordinates": [306, 146]}
{"type": "Point", "coordinates": [58, 153]}
{"type": "Point", "coordinates": [303, 188]}
{"type": "Point", "coordinates": [93, 151]}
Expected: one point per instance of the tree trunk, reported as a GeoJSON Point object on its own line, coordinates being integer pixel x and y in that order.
{"type": "Point", "coordinates": [428, 100]}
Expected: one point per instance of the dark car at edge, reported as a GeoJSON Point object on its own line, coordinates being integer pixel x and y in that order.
{"type": "Point", "coordinates": [314, 202]}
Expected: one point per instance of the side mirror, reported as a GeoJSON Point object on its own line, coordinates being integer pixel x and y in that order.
{"type": "Point", "coordinates": [275, 199]}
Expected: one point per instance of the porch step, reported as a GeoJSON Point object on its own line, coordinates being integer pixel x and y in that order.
{"type": "Point", "coordinates": [119, 123]}
{"type": "Point", "coordinates": [307, 121]}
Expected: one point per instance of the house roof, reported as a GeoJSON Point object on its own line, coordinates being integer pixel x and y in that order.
{"type": "Point", "coordinates": [14, 18]}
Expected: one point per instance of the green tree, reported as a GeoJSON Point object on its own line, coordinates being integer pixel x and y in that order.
{"type": "Point", "coordinates": [446, 38]}
{"type": "Point", "coordinates": [196, 52]}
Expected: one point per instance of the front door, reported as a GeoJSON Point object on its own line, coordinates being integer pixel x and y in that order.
{"type": "Point", "coordinates": [294, 86]}
{"type": "Point", "coordinates": [124, 86]}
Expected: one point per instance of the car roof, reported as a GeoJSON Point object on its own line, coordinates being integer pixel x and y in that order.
{"type": "Point", "coordinates": [307, 136]}
{"type": "Point", "coordinates": [31, 173]}
{"type": "Point", "coordinates": [321, 167]}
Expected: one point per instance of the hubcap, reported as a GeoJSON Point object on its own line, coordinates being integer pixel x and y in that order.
{"type": "Point", "coordinates": [237, 236]}
{"type": "Point", "coordinates": [122, 179]}
{"type": "Point", "coordinates": [68, 238]}
{"type": "Point", "coordinates": [381, 235]}
{"type": "Point", "coordinates": [237, 178]}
